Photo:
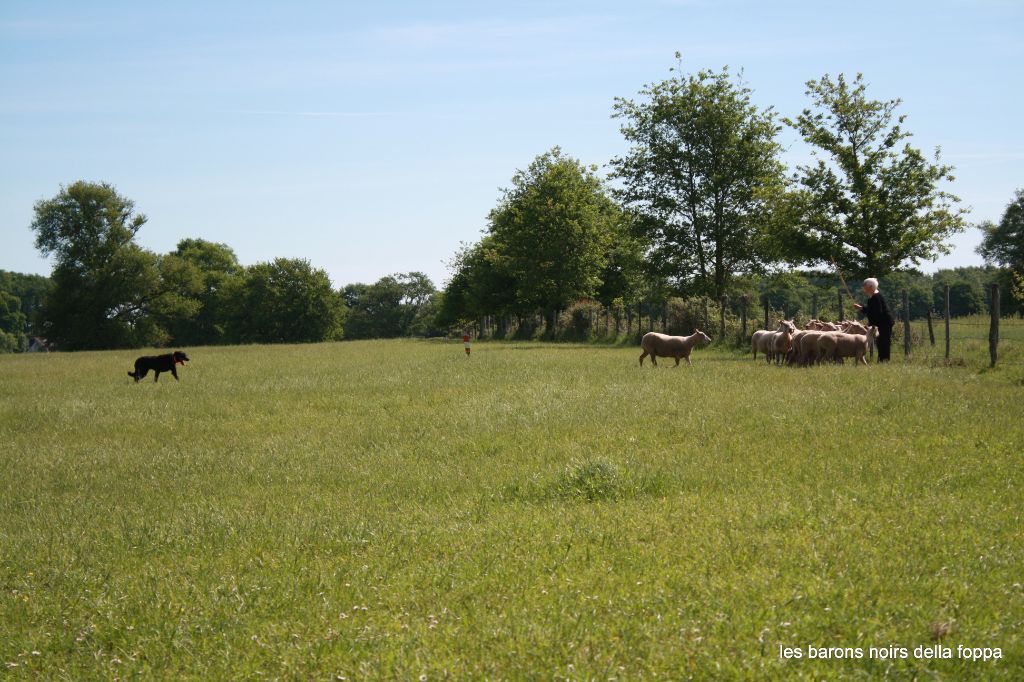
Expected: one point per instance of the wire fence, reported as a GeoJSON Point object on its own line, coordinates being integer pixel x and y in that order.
{"type": "Point", "coordinates": [979, 340]}
{"type": "Point", "coordinates": [986, 339]}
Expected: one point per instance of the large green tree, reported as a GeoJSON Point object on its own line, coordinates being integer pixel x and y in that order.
{"type": "Point", "coordinates": [31, 291]}
{"type": "Point", "coordinates": [12, 324]}
{"type": "Point", "coordinates": [104, 283]}
{"type": "Point", "coordinates": [1003, 244]}
{"type": "Point", "coordinates": [699, 175]}
{"type": "Point", "coordinates": [200, 273]}
{"type": "Point", "coordinates": [285, 301]}
{"type": "Point", "coordinates": [393, 306]}
{"type": "Point", "coordinates": [870, 205]}
{"type": "Point", "coordinates": [478, 286]}
{"type": "Point", "coordinates": [551, 233]}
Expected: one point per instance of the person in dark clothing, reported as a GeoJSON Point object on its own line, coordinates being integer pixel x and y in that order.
{"type": "Point", "coordinates": [878, 314]}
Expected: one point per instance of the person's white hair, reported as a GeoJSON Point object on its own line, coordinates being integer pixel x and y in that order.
{"type": "Point", "coordinates": [871, 283]}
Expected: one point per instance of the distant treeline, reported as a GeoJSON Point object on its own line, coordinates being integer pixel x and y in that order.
{"type": "Point", "coordinates": [202, 296]}
{"type": "Point", "coordinates": [288, 301]}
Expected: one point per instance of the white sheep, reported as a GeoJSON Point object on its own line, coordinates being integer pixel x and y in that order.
{"type": "Point", "coordinates": [852, 327]}
{"type": "Point", "coordinates": [839, 345]}
{"type": "Point", "coordinates": [793, 356]}
{"type": "Point", "coordinates": [808, 354]}
{"type": "Point", "coordinates": [771, 343]}
{"type": "Point", "coordinates": [782, 341]}
{"type": "Point", "coordinates": [761, 341]}
{"type": "Point", "coordinates": [662, 345]}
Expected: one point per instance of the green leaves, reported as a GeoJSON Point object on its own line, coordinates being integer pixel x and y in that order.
{"type": "Point", "coordinates": [395, 305]}
{"type": "Point", "coordinates": [870, 207]}
{"type": "Point", "coordinates": [104, 281]}
{"type": "Point", "coordinates": [286, 301]}
{"type": "Point", "coordinates": [1004, 243]}
{"type": "Point", "coordinates": [552, 230]}
{"type": "Point", "coordinates": [700, 173]}
{"type": "Point", "coordinates": [85, 224]}
{"type": "Point", "coordinates": [551, 239]}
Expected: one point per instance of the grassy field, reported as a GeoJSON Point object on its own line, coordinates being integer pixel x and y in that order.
{"type": "Point", "coordinates": [395, 509]}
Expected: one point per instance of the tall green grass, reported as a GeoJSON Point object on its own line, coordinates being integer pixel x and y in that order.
{"type": "Point", "coordinates": [396, 509]}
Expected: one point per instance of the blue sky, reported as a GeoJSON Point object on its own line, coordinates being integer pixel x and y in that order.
{"type": "Point", "coordinates": [373, 138]}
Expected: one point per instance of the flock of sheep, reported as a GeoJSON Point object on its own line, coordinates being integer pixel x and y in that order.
{"type": "Point", "coordinates": [816, 343]}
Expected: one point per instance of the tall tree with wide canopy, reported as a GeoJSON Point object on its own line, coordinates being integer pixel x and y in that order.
{"type": "Point", "coordinates": [104, 283]}
{"type": "Point", "coordinates": [1003, 244]}
{"type": "Point", "coordinates": [478, 286]}
{"type": "Point", "coordinates": [700, 174]}
{"type": "Point", "coordinates": [393, 306]}
{"type": "Point", "coordinates": [202, 273]}
{"type": "Point", "coordinates": [551, 232]}
{"type": "Point", "coordinates": [285, 301]}
{"type": "Point", "coordinates": [870, 205]}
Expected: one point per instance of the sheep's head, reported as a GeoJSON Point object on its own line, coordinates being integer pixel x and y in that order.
{"type": "Point", "coordinates": [787, 326]}
{"type": "Point", "coordinates": [702, 338]}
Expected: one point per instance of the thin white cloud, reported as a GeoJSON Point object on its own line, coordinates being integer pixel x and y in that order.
{"type": "Point", "coordinates": [985, 156]}
{"type": "Point", "coordinates": [492, 32]}
{"type": "Point", "coordinates": [314, 114]}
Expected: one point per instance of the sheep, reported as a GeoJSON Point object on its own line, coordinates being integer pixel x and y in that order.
{"type": "Point", "coordinates": [820, 326]}
{"type": "Point", "coordinates": [809, 347]}
{"type": "Point", "coordinates": [760, 342]}
{"type": "Point", "coordinates": [678, 347]}
{"type": "Point", "coordinates": [793, 356]}
{"type": "Point", "coordinates": [838, 345]}
{"type": "Point", "coordinates": [770, 342]}
{"type": "Point", "coordinates": [782, 341]}
{"type": "Point", "coordinates": [852, 327]}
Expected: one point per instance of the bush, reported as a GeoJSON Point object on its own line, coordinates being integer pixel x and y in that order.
{"type": "Point", "coordinates": [578, 322]}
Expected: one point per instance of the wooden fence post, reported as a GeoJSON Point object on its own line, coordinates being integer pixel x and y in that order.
{"type": "Point", "coordinates": [906, 323]}
{"type": "Point", "coordinates": [766, 314]}
{"type": "Point", "coordinates": [993, 331]}
{"type": "Point", "coordinates": [842, 315]}
{"type": "Point", "coordinates": [947, 321]}
{"type": "Point", "coordinates": [931, 331]}
{"type": "Point", "coordinates": [743, 317]}
{"type": "Point", "coordinates": [721, 320]}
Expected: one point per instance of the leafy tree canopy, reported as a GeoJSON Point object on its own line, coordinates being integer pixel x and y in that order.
{"type": "Point", "coordinates": [285, 301]}
{"type": "Point", "coordinates": [104, 283]}
{"type": "Point", "coordinates": [1003, 244]}
{"type": "Point", "coordinates": [869, 205]}
{"type": "Point", "coordinates": [700, 175]}
{"type": "Point", "coordinates": [551, 232]}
